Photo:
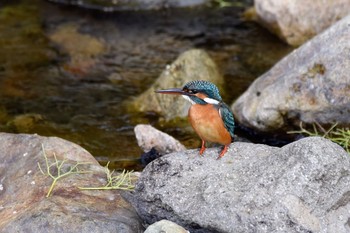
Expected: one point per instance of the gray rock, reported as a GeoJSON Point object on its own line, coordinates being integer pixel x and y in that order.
{"type": "Point", "coordinates": [149, 137]}
{"type": "Point", "coordinates": [297, 22]}
{"type": "Point", "coordinates": [165, 226]}
{"type": "Point", "coordinates": [311, 85]}
{"type": "Point", "coordinates": [301, 187]}
{"type": "Point", "coordinates": [24, 207]}
{"type": "Point", "coordinates": [119, 5]}
{"type": "Point", "coordinates": [194, 64]}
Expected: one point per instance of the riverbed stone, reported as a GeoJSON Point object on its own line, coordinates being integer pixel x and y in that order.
{"type": "Point", "coordinates": [82, 49]}
{"type": "Point", "coordinates": [301, 187]}
{"type": "Point", "coordinates": [297, 21]}
{"type": "Point", "coordinates": [310, 85]}
{"type": "Point", "coordinates": [120, 5]}
{"type": "Point", "coordinates": [149, 137]}
{"type": "Point", "coordinates": [194, 64]}
{"type": "Point", "coordinates": [24, 206]}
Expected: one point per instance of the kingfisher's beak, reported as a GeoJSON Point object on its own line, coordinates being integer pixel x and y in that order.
{"type": "Point", "coordinates": [173, 91]}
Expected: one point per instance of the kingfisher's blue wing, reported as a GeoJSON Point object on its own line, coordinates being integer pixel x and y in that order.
{"type": "Point", "coordinates": [227, 117]}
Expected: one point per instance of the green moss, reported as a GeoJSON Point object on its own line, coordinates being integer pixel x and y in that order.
{"type": "Point", "coordinates": [4, 117]}
{"type": "Point", "coordinates": [317, 69]}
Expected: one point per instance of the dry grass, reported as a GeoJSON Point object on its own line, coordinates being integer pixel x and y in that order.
{"type": "Point", "coordinates": [340, 136]}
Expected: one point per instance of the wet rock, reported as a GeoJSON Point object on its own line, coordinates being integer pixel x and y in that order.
{"type": "Point", "coordinates": [301, 187]}
{"type": "Point", "coordinates": [112, 5]}
{"type": "Point", "coordinates": [193, 64]}
{"type": "Point", "coordinates": [149, 156]}
{"type": "Point", "coordinates": [309, 85]}
{"type": "Point", "coordinates": [165, 226]}
{"type": "Point", "coordinates": [25, 122]}
{"type": "Point", "coordinates": [24, 207]}
{"type": "Point", "coordinates": [149, 137]}
{"type": "Point", "coordinates": [296, 22]}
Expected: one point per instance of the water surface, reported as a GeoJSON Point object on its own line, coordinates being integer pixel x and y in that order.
{"type": "Point", "coordinates": [66, 71]}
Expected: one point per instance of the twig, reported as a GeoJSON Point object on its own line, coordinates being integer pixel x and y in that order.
{"type": "Point", "coordinates": [121, 181]}
{"type": "Point", "coordinates": [59, 168]}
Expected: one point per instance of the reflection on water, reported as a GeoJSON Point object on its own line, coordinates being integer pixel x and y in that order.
{"type": "Point", "coordinates": [66, 71]}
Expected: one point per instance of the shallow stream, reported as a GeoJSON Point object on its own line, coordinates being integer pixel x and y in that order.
{"type": "Point", "coordinates": [65, 71]}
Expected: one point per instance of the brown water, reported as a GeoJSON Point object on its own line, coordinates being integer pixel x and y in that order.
{"type": "Point", "coordinates": [66, 71]}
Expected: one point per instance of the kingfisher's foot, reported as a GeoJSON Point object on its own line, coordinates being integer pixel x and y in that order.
{"type": "Point", "coordinates": [223, 152]}
{"type": "Point", "coordinates": [202, 148]}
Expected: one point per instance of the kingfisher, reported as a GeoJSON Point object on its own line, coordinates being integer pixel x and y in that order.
{"type": "Point", "coordinates": [209, 116]}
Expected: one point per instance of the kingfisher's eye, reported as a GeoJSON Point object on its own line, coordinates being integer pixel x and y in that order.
{"type": "Point", "coordinates": [193, 91]}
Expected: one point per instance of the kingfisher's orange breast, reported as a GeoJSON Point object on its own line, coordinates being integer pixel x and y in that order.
{"type": "Point", "coordinates": [208, 124]}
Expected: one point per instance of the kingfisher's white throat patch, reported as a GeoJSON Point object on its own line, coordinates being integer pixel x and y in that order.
{"type": "Point", "coordinates": [206, 99]}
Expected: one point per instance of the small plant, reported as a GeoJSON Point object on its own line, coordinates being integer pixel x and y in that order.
{"type": "Point", "coordinates": [57, 171]}
{"type": "Point", "coordinates": [228, 3]}
{"type": "Point", "coordinates": [122, 181]}
{"type": "Point", "coordinates": [337, 135]}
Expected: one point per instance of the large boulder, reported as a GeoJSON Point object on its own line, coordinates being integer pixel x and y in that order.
{"type": "Point", "coordinates": [301, 187]}
{"type": "Point", "coordinates": [193, 64]}
{"type": "Point", "coordinates": [297, 21]}
{"type": "Point", "coordinates": [312, 84]}
{"type": "Point", "coordinates": [24, 206]}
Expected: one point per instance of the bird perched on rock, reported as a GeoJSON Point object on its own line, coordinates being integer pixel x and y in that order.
{"type": "Point", "coordinates": [209, 116]}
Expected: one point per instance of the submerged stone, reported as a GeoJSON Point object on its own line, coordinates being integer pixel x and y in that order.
{"type": "Point", "coordinates": [193, 64]}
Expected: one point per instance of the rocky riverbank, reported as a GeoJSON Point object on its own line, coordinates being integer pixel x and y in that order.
{"type": "Point", "coordinates": [301, 187]}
